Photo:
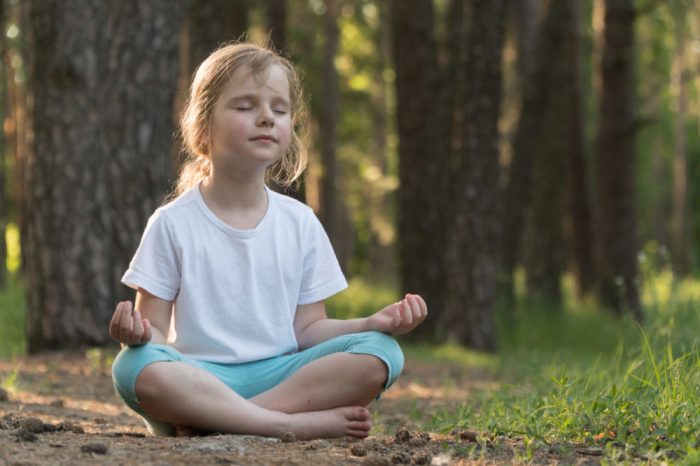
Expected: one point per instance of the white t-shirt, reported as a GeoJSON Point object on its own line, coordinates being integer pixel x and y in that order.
{"type": "Point", "coordinates": [235, 291]}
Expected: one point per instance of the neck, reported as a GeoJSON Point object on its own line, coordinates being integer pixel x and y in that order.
{"type": "Point", "coordinates": [234, 192]}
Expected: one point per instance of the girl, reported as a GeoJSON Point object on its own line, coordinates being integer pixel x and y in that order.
{"type": "Point", "coordinates": [229, 331]}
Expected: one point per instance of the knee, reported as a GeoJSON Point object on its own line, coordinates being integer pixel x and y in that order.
{"type": "Point", "coordinates": [386, 349]}
{"type": "Point", "coordinates": [151, 381]}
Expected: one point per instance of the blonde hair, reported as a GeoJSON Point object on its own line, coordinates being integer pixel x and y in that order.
{"type": "Point", "coordinates": [196, 119]}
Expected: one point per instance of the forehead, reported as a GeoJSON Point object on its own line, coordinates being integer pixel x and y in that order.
{"type": "Point", "coordinates": [272, 80]}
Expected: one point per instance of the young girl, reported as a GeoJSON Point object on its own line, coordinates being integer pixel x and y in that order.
{"type": "Point", "coordinates": [229, 331]}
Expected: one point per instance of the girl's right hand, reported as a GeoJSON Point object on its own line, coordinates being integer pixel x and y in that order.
{"type": "Point", "coordinates": [128, 327]}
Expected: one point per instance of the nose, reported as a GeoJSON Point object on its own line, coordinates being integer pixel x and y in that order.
{"type": "Point", "coordinates": [265, 118]}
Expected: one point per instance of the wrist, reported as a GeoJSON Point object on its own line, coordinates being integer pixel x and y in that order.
{"type": "Point", "coordinates": [367, 324]}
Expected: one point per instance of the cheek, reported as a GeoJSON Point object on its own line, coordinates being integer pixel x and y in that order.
{"type": "Point", "coordinates": [285, 131]}
{"type": "Point", "coordinates": [228, 129]}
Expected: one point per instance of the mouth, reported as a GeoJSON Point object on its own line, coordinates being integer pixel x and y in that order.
{"type": "Point", "coordinates": [264, 138]}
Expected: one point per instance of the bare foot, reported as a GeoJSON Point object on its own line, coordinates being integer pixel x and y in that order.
{"type": "Point", "coordinates": [338, 422]}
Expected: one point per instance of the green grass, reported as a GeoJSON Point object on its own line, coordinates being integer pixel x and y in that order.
{"type": "Point", "coordinates": [581, 376]}
{"type": "Point", "coordinates": [12, 312]}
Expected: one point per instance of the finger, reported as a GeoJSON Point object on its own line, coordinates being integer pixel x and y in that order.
{"type": "Point", "coordinates": [137, 331]}
{"type": "Point", "coordinates": [423, 305]}
{"type": "Point", "coordinates": [147, 332]}
{"type": "Point", "coordinates": [114, 323]}
{"type": "Point", "coordinates": [126, 323]}
{"type": "Point", "coordinates": [415, 307]}
{"type": "Point", "coordinates": [406, 313]}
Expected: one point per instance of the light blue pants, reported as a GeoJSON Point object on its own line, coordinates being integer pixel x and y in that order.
{"type": "Point", "coordinates": [250, 378]}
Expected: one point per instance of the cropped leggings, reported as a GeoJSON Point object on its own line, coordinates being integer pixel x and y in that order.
{"type": "Point", "coordinates": [250, 378]}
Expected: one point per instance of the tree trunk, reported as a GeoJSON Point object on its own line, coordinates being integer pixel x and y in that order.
{"type": "Point", "coordinates": [277, 23]}
{"type": "Point", "coordinates": [472, 261]}
{"type": "Point", "coordinates": [616, 218]}
{"type": "Point", "coordinates": [4, 197]}
{"type": "Point", "coordinates": [104, 76]}
{"type": "Point", "coordinates": [548, 142]}
{"type": "Point", "coordinates": [680, 214]}
{"type": "Point", "coordinates": [516, 192]}
{"type": "Point", "coordinates": [422, 158]}
{"type": "Point", "coordinates": [581, 235]}
{"type": "Point", "coordinates": [381, 250]}
{"type": "Point", "coordinates": [211, 23]}
{"type": "Point", "coordinates": [331, 209]}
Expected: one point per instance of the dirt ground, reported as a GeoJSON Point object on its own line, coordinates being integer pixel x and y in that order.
{"type": "Point", "coordinates": [63, 411]}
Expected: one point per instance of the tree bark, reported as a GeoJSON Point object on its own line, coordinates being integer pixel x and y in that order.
{"type": "Point", "coordinates": [472, 260]}
{"type": "Point", "coordinates": [617, 243]}
{"type": "Point", "coordinates": [422, 158]}
{"type": "Point", "coordinates": [104, 76]}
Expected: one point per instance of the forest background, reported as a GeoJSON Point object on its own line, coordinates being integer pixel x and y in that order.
{"type": "Point", "coordinates": [530, 167]}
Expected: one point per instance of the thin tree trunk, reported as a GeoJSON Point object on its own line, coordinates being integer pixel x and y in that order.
{"type": "Point", "coordinates": [516, 192]}
{"type": "Point", "coordinates": [680, 216]}
{"type": "Point", "coordinates": [617, 243]}
{"type": "Point", "coordinates": [4, 195]}
{"type": "Point", "coordinates": [548, 141]}
{"type": "Point", "coordinates": [381, 251]}
{"type": "Point", "coordinates": [472, 261]}
{"type": "Point", "coordinates": [211, 23]}
{"type": "Point", "coordinates": [578, 188]}
{"type": "Point", "coordinates": [277, 22]}
{"type": "Point", "coordinates": [104, 74]}
{"type": "Point", "coordinates": [331, 210]}
{"type": "Point", "coordinates": [422, 158]}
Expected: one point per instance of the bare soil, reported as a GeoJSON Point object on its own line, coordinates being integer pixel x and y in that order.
{"type": "Point", "coordinates": [62, 410]}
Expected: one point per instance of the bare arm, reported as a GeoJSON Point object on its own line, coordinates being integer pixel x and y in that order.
{"type": "Point", "coordinates": [148, 321]}
{"type": "Point", "coordinates": [312, 326]}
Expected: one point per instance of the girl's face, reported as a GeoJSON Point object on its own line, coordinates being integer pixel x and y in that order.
{"type": "Point", "coordinates": [251, 123]}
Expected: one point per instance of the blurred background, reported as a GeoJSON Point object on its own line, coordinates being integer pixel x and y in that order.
{"type": "Point", "coordinates": [514, 161]}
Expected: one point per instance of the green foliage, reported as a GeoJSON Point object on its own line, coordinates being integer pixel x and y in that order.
{"type": "Point", "coordinates": [585, 377]}
{"type": "Point", "coordinates": [12, 320]}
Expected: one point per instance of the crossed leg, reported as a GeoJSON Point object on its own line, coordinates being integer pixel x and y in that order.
{"type": "Point", "coordinates": [324, 398]}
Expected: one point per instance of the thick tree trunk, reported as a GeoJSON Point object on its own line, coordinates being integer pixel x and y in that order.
{"type": "Point", "coordinates": [617, 243]}
{"type": "Point", "coordinates": [104, 76]}
{"type": "Point", "coordinates": [422, 158]}
{"type": "Point", "coordinates": [472, 261]}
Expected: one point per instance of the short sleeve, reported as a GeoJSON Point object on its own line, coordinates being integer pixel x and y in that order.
{"type": "Point", "coordinates": [321, 273]}
{"type": "Point", "coordinates": [155, 265]}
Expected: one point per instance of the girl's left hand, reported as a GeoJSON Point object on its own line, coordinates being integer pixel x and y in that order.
{"type": "Point", "coordinates": [401, 317]}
